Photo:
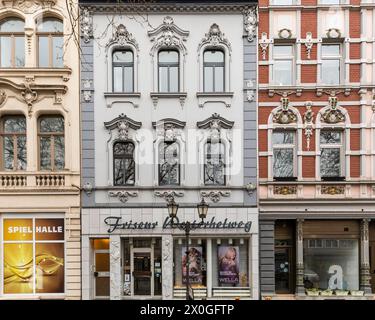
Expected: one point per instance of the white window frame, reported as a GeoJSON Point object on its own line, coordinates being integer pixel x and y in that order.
{"type": "Point", "coordinates": [333, 146]}
{"type": "Point", "coordinates": [339, 57]}
{"type": "Point", "coordinates": [284, 58]}
{"type": "Point", "coordinates": [285, 146]}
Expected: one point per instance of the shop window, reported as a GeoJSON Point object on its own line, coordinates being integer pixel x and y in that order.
{"type": "Point", "coordinates": [169, 163]}
{"type": "Point", "coordinates": [283, 145]}
{"type": "Point", "coordinates": [331, 148]}
{"type": "Point", "coordinates": [283, 64]}
{"type": "Point", "coordinates": [214, 167]}
{"type": "Point", "coordinates": [331, 264]}
{"type": "Point", "coordinates": [33, 255]}
{"type": "Point", "coordinates": [123, 164]}
{"type": "Point", "coordinates": [169, 71]}
{"type": "Point", "coordinates": [12, 43]}
{"type": "Point", "coordinates": [13, 135]}
{"type": "Point", "coordinates": [50, 43]}
{"type": "Point", "coordinates": [51, 143]}
{"type": "Point", "coordinates": [331, 60]}
{"type": "Point", "coordinates": [213, 71]}
{"type": "Point", "coordinates": [123, 71]}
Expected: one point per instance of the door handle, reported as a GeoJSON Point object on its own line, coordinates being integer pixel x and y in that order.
{"type": "Point", "coordinates": [96, 274]}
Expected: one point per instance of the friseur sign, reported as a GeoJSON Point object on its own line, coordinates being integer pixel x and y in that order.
{"type": "Point", "coordinates": [115, 223]}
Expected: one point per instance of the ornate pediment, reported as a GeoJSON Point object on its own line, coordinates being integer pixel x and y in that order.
{"type": "Point", "coordinates": [29, 6]}
{"type": "Point", "coordinates": [122, 37]}
{"type": "Point", "coordinates": [333, 115]}
{"type": "Point", "coordinates": [168, 35]}
{"type": "Point", "coordinates": [169, 128]}
{"type": "Point", "coordinates": [215, 38]}
{"type": "Point", "coordinates": [284, 115]}
{"type": "Point", "coordinates": [215, 121]}
{"type": "Point", "coordinates": [122, 123]}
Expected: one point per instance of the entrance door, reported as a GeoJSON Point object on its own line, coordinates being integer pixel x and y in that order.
{"type": "Point", "coordinates": [283, 265]}
{"type": "Point", "coordinates": [142, 271]}
{"type": "Point", "coordinates": [101, 269]}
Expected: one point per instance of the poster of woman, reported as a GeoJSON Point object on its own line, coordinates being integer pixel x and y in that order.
{"type": "Point", "coordinates": [195, 265]}
{"type": "Point", "coordinates": [229, 262]}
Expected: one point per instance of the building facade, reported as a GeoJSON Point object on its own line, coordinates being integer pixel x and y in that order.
{"type": "Point", "coordinates": [316, 149]}
{"type": "Point", "coordinates": [40, 163]}
{"type": "Point", "coordinates": [167, 91]}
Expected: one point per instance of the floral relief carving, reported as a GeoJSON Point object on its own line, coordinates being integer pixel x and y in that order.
{"type": "Point", "coordinates": [3, 96]}
{"type": "Point", "coordinates": [168, 195]}
{"type": "Point", "coordinates": [215, 38]}
{"type": "Point", "coordinates": [122, 37]}
{"type": "Point", "coordinates": [123, 196]}
{"type": "Point", "coordinates": [29, 96]}
{"type": "Point", "coordinates": [215, 195]}
{"type": "Point", "coordinates": [333, 190]}
{"type": "Point", "coordinates": [122, 123]}
{"type": "Point", "coordinates": [333, 115]}
{"type": "Point", "coordinates": [309, 44]}
{"type": "Point", "coordinates": [251, 23]}
{"type": "Point", "coordinates": [284, 190]}
{"type": "Point", "coordinates": [86, 25]}
{"type": "Point", "coordinates": [31, 6]}
{"type": "Point", "coordinates": [308, 122]}
{"type": "Point", "coordinates": [263, 43]}
{"type": "Point", "coordinates": [284, 115]}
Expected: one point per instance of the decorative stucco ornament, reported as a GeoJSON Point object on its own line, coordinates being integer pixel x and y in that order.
{"type": "Point", "coordinates": [215, 38]}
{"type": "Point", "coordinates": [309, 44]}
{"type": "Point", "coordinates": [215, 195]}
{"type": "Point", "coordinates": [263, 43]}
{"type": "Point", "coordinates": [333, 115]}
{"type": "Point", "coordinates": [32, 6]}
{"type": "Point", "coordinates": [123, 196]}
{"type": "Point", "coordinates": [3, 96]}
{"type": "Point", "coordinates": [122, 37]}
{"type": "Point", "coordinates": [251, 23]}
{"type": "Point", "coordinates": [285, 115]}
{"type": "Point", "coordinates": [123, 130]}
{"type": "Point", "coordinates": [86, 25]}
{"type": "Point", "coordinates": [308, 122]}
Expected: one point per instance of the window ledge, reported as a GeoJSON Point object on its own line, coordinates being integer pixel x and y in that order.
{"type": "Point", "coordinates": [155, 96]}
{"type": "Point", "coordinates": [64, 72]}
{"type": "Point", "coordinates": [215, 97]}
{"type": "Point", "coordinates": [122, 97]}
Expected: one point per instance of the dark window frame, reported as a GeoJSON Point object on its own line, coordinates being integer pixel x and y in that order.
{"type": "Point", "coordinates": [169, 65]}
{"type": "Point", "coordinates": [123, 157]}
{"type": "Point", "coordinates": [178, 164]}
{"type": "Point", "coordinates": [213, 65]}
{"type": "Point", "coordinates": [222, 157]}
{"type": "Point", "coordinates": [122, 65]}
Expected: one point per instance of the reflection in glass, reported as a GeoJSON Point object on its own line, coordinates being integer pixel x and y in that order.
{"type": "Point", "coordinates": [51, 43]}
{"type": "Point", "coordinates": [123, 69]}
{"type": "Point", "coordinates": [168, 66]}
{"type": "Point", "coordinates": [283, 163]}
{"type": "Point", "coordinates": [124, 165]}
{"type": "Point", "coordinates": [213, 67]}
{"type": "Point", "coordinates": [214, 168]}
{"type": "Point", "coordinates": [330, 162]}
{"type": "Point", "coordinates": [169, 168]}
{"type": "Point", "coordinates": [12, 43]}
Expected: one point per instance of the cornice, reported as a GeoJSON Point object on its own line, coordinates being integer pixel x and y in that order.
{"type": "Point", "coordinates": [169, 8]}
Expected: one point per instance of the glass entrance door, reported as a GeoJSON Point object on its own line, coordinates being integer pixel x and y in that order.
{"type": "Point", "coordinates": [142, 272]}
{"type": "Point", "coordinates": [282, 270]}
{"type": "Point", "coordinates": [101, 268]}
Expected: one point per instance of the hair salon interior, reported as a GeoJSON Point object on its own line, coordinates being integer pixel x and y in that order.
{"type": "Point", "coordinates": [187, 149]}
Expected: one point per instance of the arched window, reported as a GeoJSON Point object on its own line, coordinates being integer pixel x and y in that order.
{"type": "Point", "coordinates": [123, 71]}
{"type": "Point", "coordinates": [169, 70]}
{"type": "Point", "coordinates": [13, 135]}
{"type": "Point", "coordinates": [50, 43]}
{"type": "Point", "coordinates": [51, 143]}
{"type": "Point", "coordinates": [284, 151]}
{"type": "Point", "coordinates": [123, 164]}
{"type": "Point", "coordinates": [169, 163]}
{"type": "Point", "coordinates": [12, 43]}
{"type": "Point", "coordinates": [213, 70]}
{"type": "Point", "coordinates": [214, 166]}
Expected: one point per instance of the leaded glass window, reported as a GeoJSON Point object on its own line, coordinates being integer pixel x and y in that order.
{"type": "Point", "coordinates": [214, 167]}
{"type": "Point", "coordinates": [213, 69]}
{"type": "Point", "coordinates": [51, 143]}
{"type": "Point", "coordinates": [123, 71]}
{"type": "Point", "coordinates": [12, 43]}
{"type": "Point", "coordinates": [283, 143]}
{"type": "Point", "coordinates": [50, 43]}
{"type": "Point", "coordinates": [169, 163]}
{"type": "Point", "coordinates": [330, 156]}
{"type": "Point", "coordinates": [168, 64]}
{"type": "Point", "coordinates": [14, 143]}
{"type": "Point", "coordinates": [123, 164]}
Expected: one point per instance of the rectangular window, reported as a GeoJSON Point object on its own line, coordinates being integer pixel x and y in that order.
{"type": "Point", "coordinates": [331, 60]}
{"type": "Point", "coordinates": [283, 143]}
{"type": "Point", "coordinates": [33, 255]}
{"type": "Point", "coordinates": [332, 265]}
{"type": "Point", "coordinates": [282, 2]}
{"type": "Point", "coordinates": [283, 65]}
{"type": "Point", "coordinates": [330, 154]}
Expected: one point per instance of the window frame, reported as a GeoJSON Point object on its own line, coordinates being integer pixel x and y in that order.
{"type": "Point", "coordinates": [290, 58]}
{"type": "Point", "coordinates": [285, 146]}
{"type": "Point", "coordinates": [340, 146]}
{"type": "Point", "coordinates": [169, 65]}
{"type": "Point", "coordinates": [49, 35]}
{"type": "Point", "coordinates": [13, 35]}
{"type": "Point", "coordinates": [339, 57]}
{"type": "Point", "coordinates": [123, 65]}
{"type": "Point", "coordinates": [52, 136]}
{"type": "Point", "coordinates": [214, 65]}
{"type": "Point", "coordinates": [222, 156]}
{"type": "Point", "coordinates": [114, 157]}
{"type": "Point", "coordinates": [162, 143]}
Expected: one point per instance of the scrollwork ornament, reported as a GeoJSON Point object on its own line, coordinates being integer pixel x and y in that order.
{"type": "Point", "coordinates": [86, 25]}
{"type": "Point", "coordinates": [284, 115]}
{"type": "Point", "coordinates": [308, 121]}
{"type": "Point", "coordinates": [333, 115]}
{"type": "Point", "coordinates": [251, 23]}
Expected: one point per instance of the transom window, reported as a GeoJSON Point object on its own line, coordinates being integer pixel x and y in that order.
{"type": "Point", "coordinates": [213, 68]}
{"type": "Point", "coordinates": [331, 59]}
{"type": "Point", "coordinates": [51, 143]}
{"type": "Point", "coordinates": [169, 163]}
{"type": "Point", "coordinates": [283, 64]}
{"type": "Point", "coordinates": [169, 70]}
{"type": "Point", "coordinates": [123, 164]}
{"type": "Point", "coordinates": [331, 148]}
{"type": "Point", "coordinates": [214, 167]}
{"type": "Point", "coordinates": [283, 143]}
{"type": "Point", "coordinates": [123, 71]}
{"type": "Point", "coordinates": [12, 43]}
{"type": "Point", "coordinates": [13, 135]}
{"type": "Point", "coordinates": [51, 43]}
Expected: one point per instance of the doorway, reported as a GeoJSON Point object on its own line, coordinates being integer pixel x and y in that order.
{"type": "Point", "coordinates": [101, 268]}
{"type": "Point", "coordinates": [142, 271]}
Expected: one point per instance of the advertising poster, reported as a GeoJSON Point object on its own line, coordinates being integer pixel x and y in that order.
{"type": "Point", "coordinates": [195, 265]}
{"type": "Point", "coordinates": [31, 266]}
{"type": "Point", "coordinates": [229, 264]}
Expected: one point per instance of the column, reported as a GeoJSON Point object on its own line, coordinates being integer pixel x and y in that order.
{"type": "Point", "coordinates": [167, 267]}
{"type": "Point", "coordinates": [300, 289]}
{"type": "Point", "coordinates": [209, 267]}
{"type": "Point", "coordinates": [115, 267]}
{"type": "Point", "coordinates": [365, 276]}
